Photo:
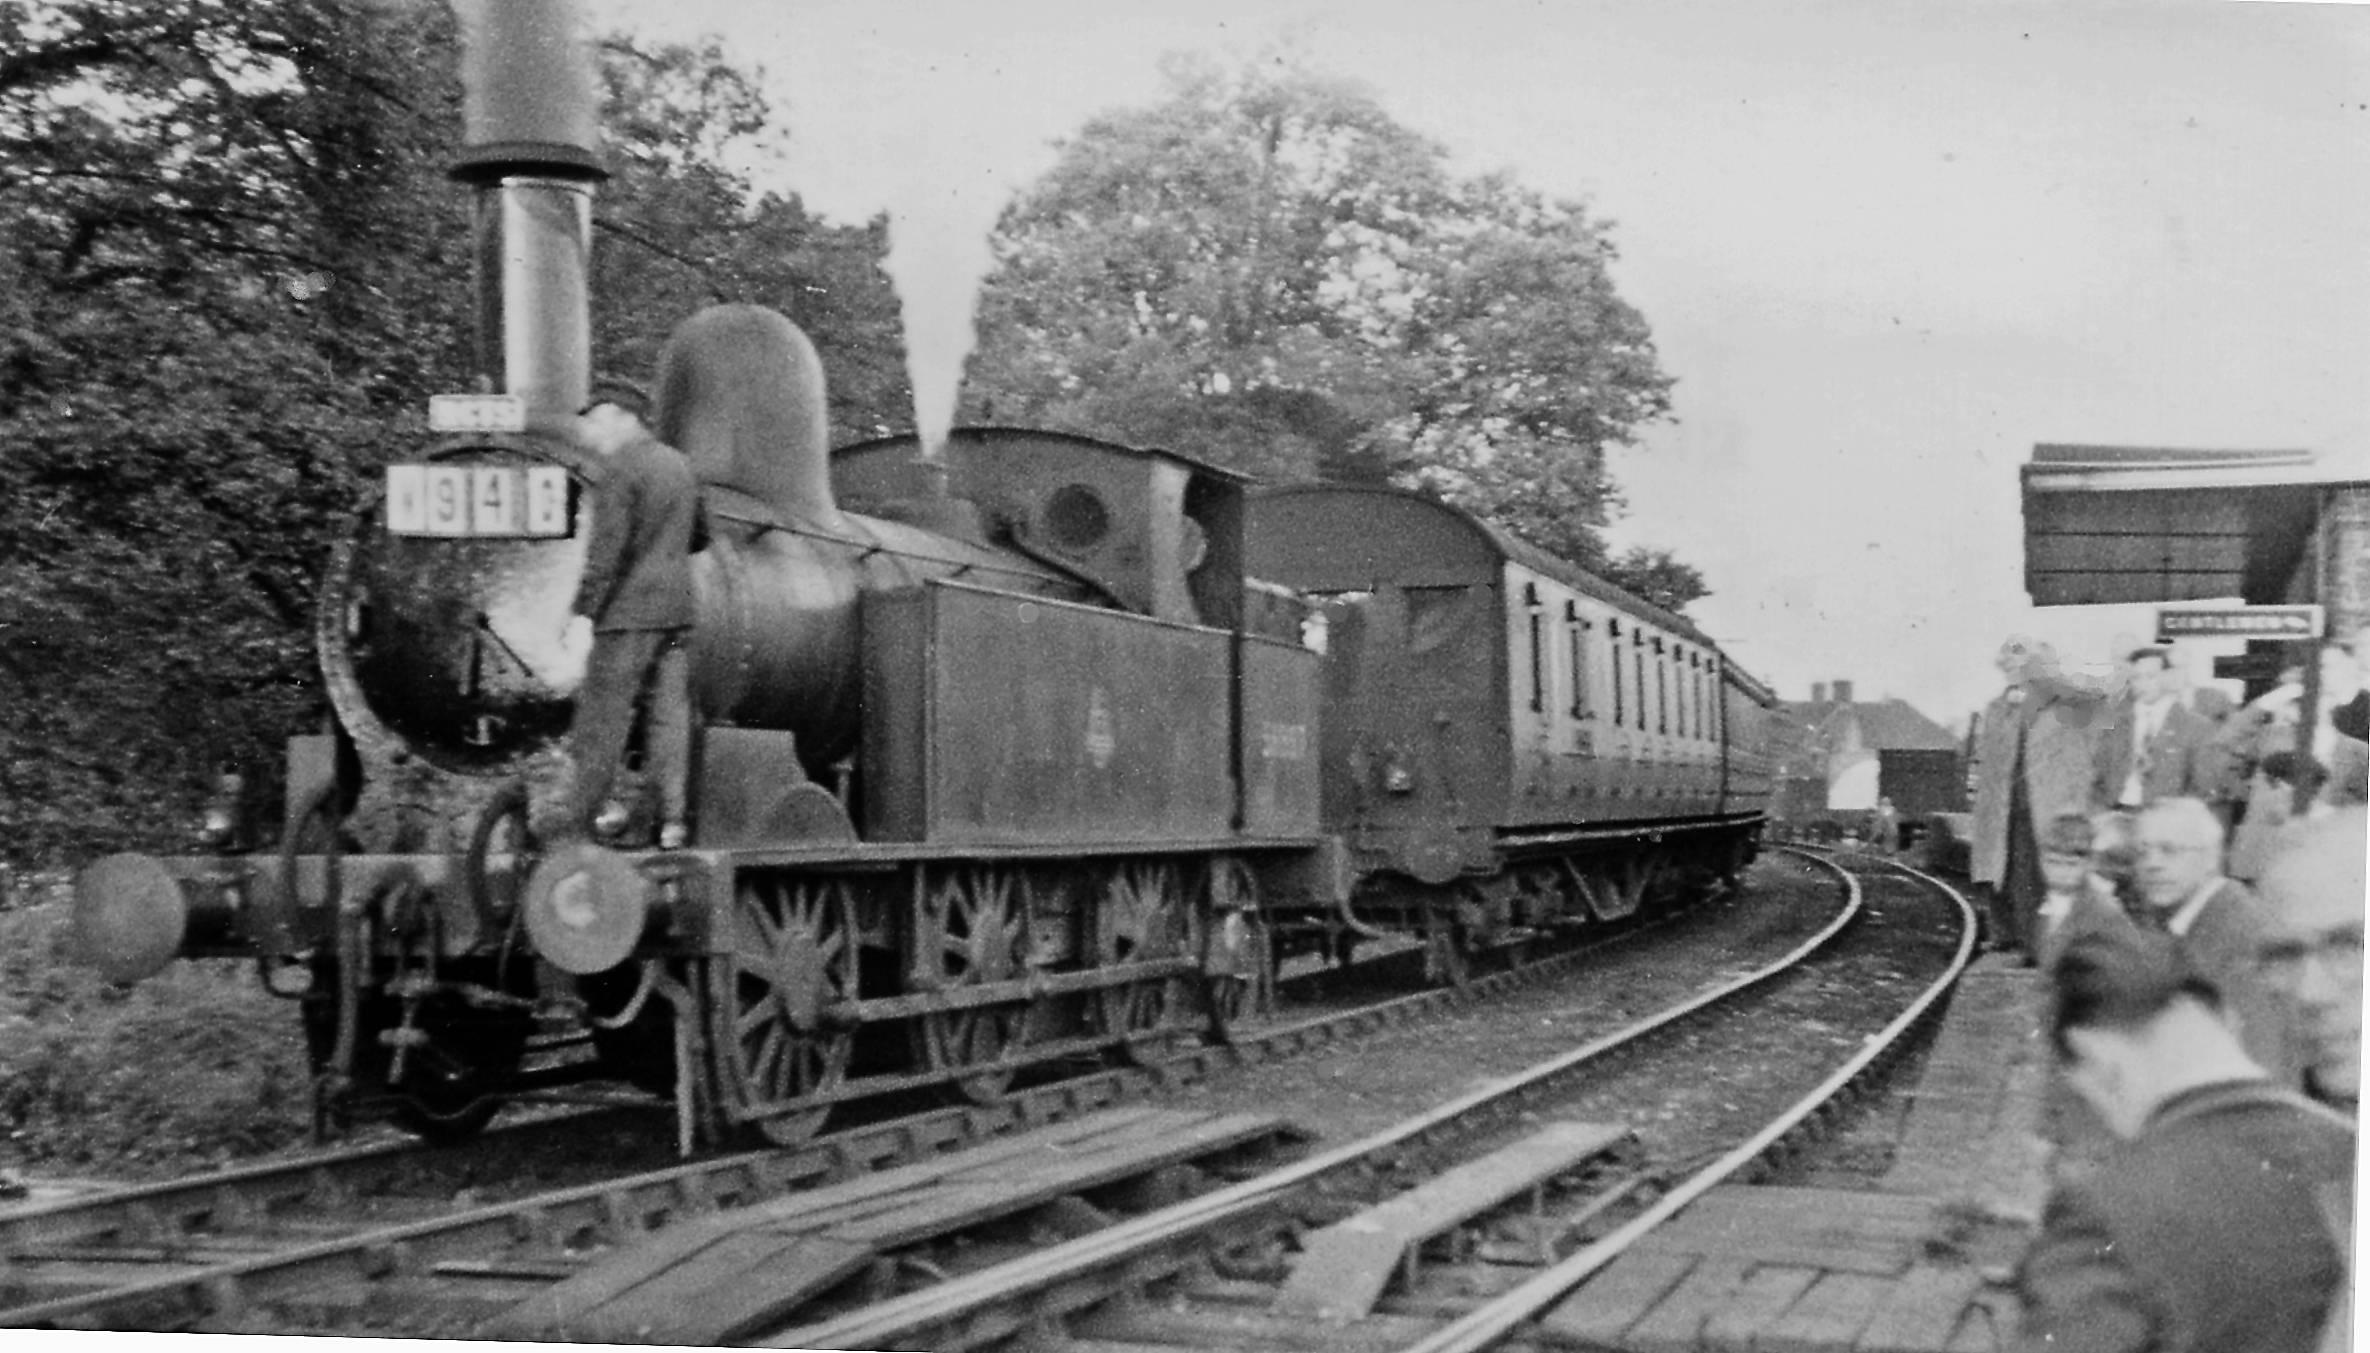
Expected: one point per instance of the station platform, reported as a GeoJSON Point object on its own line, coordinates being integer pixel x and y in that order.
{"type": "Point", "coordinates": [1915, 1258]}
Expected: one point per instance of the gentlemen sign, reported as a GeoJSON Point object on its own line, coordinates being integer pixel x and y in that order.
{"type": "Point", "coordinates": [2239, 622]}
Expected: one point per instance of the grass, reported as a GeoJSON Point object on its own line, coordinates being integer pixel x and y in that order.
{"type": "Point", "coordinates": [193, 1067]}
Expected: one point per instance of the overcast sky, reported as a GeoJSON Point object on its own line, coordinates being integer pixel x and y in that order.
{"type": "Point", "coordinates": [1884, 247]}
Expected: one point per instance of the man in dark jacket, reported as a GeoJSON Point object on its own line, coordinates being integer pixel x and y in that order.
{"type": "Point", "coordinates": [2217, 923]}
{"type": "Point", "coordinates": [636, 602]}
{"type": "Point", "coordinates": [2204, 1228]}
{"type": "Point", "coordinates": [2155, 747]}
{"type": "Point", "coordinates": [2311, 955]}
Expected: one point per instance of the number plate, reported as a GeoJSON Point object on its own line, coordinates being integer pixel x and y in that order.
{"type": "Point", "coordinates": [477, 413]}
{"type": "Point", "coordinates": [477, 500]}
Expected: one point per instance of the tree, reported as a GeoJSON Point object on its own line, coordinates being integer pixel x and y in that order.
{"type": "Point", "coordinates": [1656, 576]}
{"type": "Point", "coordinates": [1267, 271]}
{"type": "Point", "coordinates": [218, 251]}
{"type": "Point", "coordinates": [681, 227]}
{"type": "Point", "coordinates": [231, 271]}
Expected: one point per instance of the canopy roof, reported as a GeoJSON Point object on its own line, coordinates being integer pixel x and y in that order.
{"type": "Point", "coordinates": [2119, 524]}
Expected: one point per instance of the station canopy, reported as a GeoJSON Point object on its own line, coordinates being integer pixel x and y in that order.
{"type": "Point", "coordinates": [2107, 525]}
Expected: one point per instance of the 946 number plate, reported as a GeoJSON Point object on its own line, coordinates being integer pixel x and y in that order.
{"type": "Point", "coordinates": [477, 500]}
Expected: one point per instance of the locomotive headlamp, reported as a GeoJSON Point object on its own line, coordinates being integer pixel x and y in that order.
{"type": "Point", "coordinates": [1396, 777]}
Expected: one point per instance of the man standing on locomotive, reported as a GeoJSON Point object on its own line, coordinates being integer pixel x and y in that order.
{"type": "Point", "coordinates": [634, 611]}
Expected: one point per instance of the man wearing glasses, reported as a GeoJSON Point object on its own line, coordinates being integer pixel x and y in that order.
{"type": "Point", "coordinates": [2312, 954]}
{"type": "Point", "coordinates": [2312, 957]}
{"type": "Point", "coordinates": [634, 611]}
{"type": "Point", "coordinates": [2215, 922]}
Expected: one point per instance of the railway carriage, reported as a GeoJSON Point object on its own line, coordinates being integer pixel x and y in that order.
{"type": "Point", "coordinates": [1509, 741]}
{"type": "Point", "coordinates": [1015, 751]}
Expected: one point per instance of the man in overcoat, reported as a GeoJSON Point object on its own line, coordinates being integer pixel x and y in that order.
{"type": "Point", "coordinates": [2033, 763]}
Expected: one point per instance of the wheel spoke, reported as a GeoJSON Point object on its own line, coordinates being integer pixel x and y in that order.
{"type": "Point", "coordinates": [791, 943]}
{"type": "Point", "coordinates": [976, 934]}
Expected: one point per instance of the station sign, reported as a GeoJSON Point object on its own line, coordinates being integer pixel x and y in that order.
{"type": "Point", "coordinates": [2238, 622]}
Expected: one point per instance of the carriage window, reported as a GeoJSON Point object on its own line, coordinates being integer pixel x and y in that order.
{"type": "Point", "coordinates": [1530, 603]}
{"type": "Point", "coordinates": [1662, 700]}
{"type": "Point", "coordinates": [1691, 697]}
{"type": "Point", "coordinates": [1678, 690]}
{"type": "Point", "coordinates": [1613, 645]}
{"type": "Point", "coordinates": [1575, 628]}
{"type": "Point", "coordinates": [1637, 646]}
{"type": "Point", "coordinates": [1434, 615]}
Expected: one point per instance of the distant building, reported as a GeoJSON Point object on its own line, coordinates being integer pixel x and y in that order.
{"type": "Point", "coordinates": [1837, 754]}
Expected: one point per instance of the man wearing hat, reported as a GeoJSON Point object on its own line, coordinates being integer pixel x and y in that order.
{"type": "Point", "coordinates": [634, 609]}
{"type": "Point", "coordinates": [2079, 901]}
{"type": "Point", "coordinates": [2032, 764]}
{"type": "Point", "coordinates": [2204, 1226]}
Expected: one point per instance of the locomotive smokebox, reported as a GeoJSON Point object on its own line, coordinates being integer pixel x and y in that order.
{"type": "Point", "coordinates": [533, 154]}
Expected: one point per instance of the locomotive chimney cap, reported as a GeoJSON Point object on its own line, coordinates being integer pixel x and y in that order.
{"type": "Point", "coordinates": [547, 159]}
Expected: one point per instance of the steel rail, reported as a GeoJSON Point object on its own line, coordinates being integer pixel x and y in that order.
{"type": "Point", "coordinates": [1484, 1326]}
{"type": "Point", "coordinates": [923, 1318]}
{"type": "Point", "coordinates": [615, 1204]}
{"type": "Point", "coordinates": [237, 1189]}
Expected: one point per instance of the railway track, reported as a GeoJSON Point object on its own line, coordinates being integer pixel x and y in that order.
{"type": "Point", "coordinates": [234, 1249]}
{"type": "Point", "coordinates": [1479, 1243]}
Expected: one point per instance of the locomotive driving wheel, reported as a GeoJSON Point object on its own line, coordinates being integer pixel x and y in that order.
{"type": "Point", "coordinates": [1448, 944]}
{"type": "Point", "coordinates": [792, 957]}
{"type": "Point", "coordinates": [1239, 964]}
{"type": "Point", "coordinates": [968, 932]}
{"type": "Point", "coordinates": [1145, 916]}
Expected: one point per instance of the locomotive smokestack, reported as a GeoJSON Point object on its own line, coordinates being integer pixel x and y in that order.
{"type": "Point", "coordinates": [533, 153]}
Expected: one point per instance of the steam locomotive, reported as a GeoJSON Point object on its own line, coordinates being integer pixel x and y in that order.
{"type": "Point", "coordinates": [1016, 750]}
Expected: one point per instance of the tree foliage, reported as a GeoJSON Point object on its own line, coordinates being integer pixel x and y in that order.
{"type": "Point", "coordinates": [682, 225]}
{"type": "Point", "coordinates": [231, 271]}
{"type": "Point", "coordinates": [1266, 270]}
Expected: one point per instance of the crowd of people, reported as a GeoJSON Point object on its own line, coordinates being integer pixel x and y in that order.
{"type": "Point", "coordinates": [2190, 873]}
